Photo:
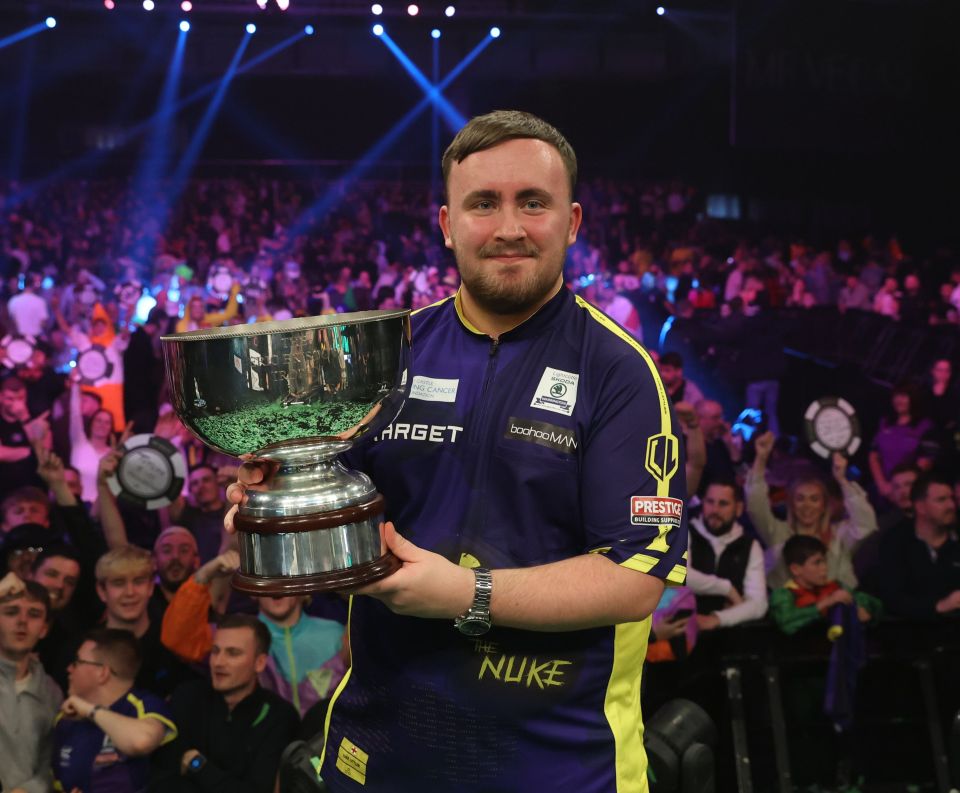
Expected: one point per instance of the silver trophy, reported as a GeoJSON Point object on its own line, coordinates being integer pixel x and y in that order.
{"type": "Point", "coordinates": [297, 394]}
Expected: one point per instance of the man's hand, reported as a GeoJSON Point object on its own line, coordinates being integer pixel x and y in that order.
{"type": "Point", "coordinates": [220, 566]}
{"type": "Point", "coordinates": [665, 630]}
{"type": "Point", "coordinates": [50, 469]}
{"type": "Point", "coordinates": [734, 598]}
{"type": "Point", "coordinates": [75, 707]}
{"type": "Point", "coordinates": [37, 429]}
{"type": "Point", "coordinates": [428, 585]}
{"type": "Point", "coordinates": [764, 446]}
{"type": "Point", "coordinates": [11, 587]}
{"type": "Point", "coordinates": [251, 476]}
{"type": "Point", "coordinates": [688, 417]}
{"type": "Point", "coordinates": [950, 603]}
{"type": "Point", "coordinates": [839, 466]}
{"type": "Point", "coordinates": [708, 622]}
{"type": "Point", "coordinates": [108, 466]}
{"type": "Point", "coordinates": [185, 760]}
{"type": "Point", "coordinates": [840, 596]}
{"type": "Point", "coordinates": [862, 614]}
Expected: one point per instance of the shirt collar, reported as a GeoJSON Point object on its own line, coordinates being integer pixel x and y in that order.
{"type": "Point", "coordinates": [532, 326]}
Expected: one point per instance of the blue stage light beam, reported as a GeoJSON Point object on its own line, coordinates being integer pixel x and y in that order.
{"type": "Point", "coordinates": [132, 133]}
{"type": "Point", "coordinates": [328, 200]}
{"type": "Point", "coordinates": [435, 121]}
{"type": "Point", "coordinates": [453, 117]}
{"type": "Point", "coordinates": [26, 33]}
{"type": "Point", "coordinates": [190, 156]}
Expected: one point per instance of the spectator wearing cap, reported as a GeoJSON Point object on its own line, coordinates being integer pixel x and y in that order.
{"type": "Point", "coordinates": [232, 731]}
{"type": "Point", "coordinates": [920, 569]}
{"type": "Point", "coordinates": [107, 729]}
{"type": "Point", "coordinates": [29, 699]}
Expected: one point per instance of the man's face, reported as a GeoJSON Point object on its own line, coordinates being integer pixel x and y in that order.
{"type": "Point", "coordinates": [279, 609]}
{"type": "Point", "coordinates": [26, 511]}
{"type": "Point", "coordinates": [86, 672]}
{"type": "Point", "coordinates": [74, 485]}
{"type": "Point", "coordinates": [23, 622]}
{"type": "Point", "coordinates": [711, 420]}
{"type": "Point", "coordinates": [509, 222]}
{"type": "Point", "coordinates": [196, 310]}
{"type": "Point", "coordinates": [126, 594]}
{"type": "Point", "coordinates": [720, 509]}
{"type": "Point", "coordinates": [670, 375]}
{"type": "Point", "coordinates": [59, 576]}
{"type": "Point", "coordinates": [812, 572]}
{"type": "Point", "coordinates": [901, 484]}
{"type": "Point", "coordinates": [176, 557]}
{"type": "Point", "coordinates": [203, 486]}
{"type": "Point", "coordinates": [938, 507]}
{"type": "Point", "coordinates": [234, 662]}
{"type": "Point", "coordinates": [13, 401]}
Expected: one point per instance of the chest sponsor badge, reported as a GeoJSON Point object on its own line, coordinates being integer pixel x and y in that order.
{"type": "Point", "coordinates": [433, 389]}
{"type": "Point", "coordinates": [541, 433]}
{"type": "Point", "coordinates": [557, 391]}
{"type": "Point", "coordinates": [655, 510]}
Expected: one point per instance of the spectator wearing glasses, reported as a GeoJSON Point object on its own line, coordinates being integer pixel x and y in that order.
{"type": "Point", "coordinates": [107, 729]}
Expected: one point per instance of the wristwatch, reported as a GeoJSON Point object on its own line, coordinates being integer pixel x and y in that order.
{"type": "Point", "coordinates": [93, 712]}
{"type": "Point", "coordinates": [197, 762]}
{"type": "Point", "coordinates": [475, 621]}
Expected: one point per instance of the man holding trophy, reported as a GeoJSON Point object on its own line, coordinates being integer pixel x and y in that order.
{"type": "Point", "coordinates": [532, 489]}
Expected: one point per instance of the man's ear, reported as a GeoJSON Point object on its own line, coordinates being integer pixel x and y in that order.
{"type": "Point", "coordinates": [261, 663]}
{"type": "Point", "coordinates": [444, 218]}
{"type": "Point", "coordinates": [101, 592]}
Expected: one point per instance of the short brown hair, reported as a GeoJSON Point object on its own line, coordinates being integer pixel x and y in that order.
{"type": "Point", "coordinates": [27, 493]}
{"type": "Point", "coordinates": [13, 383]}
{"type": "Point", "coordinates": [38, 594]}
{"type": "Point", "coordinates": [261, 633]}
{"type": "Point", "coordinates": [492, 129]}
{"type": "Point", "coordinates": [123, 560]}
{"type": "Point", "coordinates": [118, 649]}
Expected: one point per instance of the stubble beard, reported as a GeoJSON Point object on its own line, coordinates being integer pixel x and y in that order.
{"type": "Point", "coordinates": [510, 295]}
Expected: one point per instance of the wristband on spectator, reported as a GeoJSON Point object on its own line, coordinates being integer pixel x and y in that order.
{"type": "Point", "coordinates": [93, 712]}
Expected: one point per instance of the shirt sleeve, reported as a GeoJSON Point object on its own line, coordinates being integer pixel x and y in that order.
{"type": "Point", "coordinates": [632, 475]}
{"type": "Point", "coordinates": [754, 604]}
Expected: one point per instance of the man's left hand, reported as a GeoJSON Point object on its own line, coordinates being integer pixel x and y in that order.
{"type": "Point", "coordinates": [708, 622]}
{"type": "Point", "coordinates": [428, 585]}
{"type": "Point", "coordinates": [185, 760]}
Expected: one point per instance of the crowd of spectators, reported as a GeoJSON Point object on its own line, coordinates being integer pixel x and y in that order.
{"type": "Point", "coordinates": [151, 672]}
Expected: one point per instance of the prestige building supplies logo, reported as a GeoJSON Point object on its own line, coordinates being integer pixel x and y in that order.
{"type": "Point", "coordinates": [656, 511]}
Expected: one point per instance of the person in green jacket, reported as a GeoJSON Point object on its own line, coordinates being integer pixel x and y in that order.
{"type": "Point", "coordinates": [808, 595]}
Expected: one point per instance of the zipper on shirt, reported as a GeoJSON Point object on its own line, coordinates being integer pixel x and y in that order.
{"type": "Point", "coordinates": [294, 688]}
{"type": "Point", "coordinates": [489, 374]}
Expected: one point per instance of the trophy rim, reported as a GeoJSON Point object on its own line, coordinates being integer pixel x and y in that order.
{"type": "Point", "coordinates": [286, 325]}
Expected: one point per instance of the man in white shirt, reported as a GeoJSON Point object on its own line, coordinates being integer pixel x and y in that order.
{"type": "Point", "coordinates": [725, 566]}
{"type": "Point", "coordinates": [28, 310]}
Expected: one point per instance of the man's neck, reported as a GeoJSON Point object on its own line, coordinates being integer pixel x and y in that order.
{"type": "Point", "coordinates": [137, 627]}
{"type": "Point", "coordinates": [22, 664]}
{"type": "Point", "coordinates": [211, 506]}
{"type": "Point", "coordinates": [495, 325]}
{"type": "Point", "coordinates": [235, 697]}
{"type": "Point", "coordinates": [287, 622]}
{"type": "Point", "coordinates": [934, 536]}
{"type": "Point", "coordinates": [110, 692]}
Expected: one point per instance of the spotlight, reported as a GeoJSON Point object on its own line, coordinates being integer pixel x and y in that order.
{"type": "Point", "coordinates": [251, 28]}
{"type": "Point", "coordinates": [413, 9]}
{"type": "Point", "coordinates": [450, 11]}
{"type": "Point", "coordinates": [283, 5]}
{"type": "Point", "coordinates": [376, 9]}
{"type": "Point", "coordinates": [186, 6]}
{"type": "Point", "coordinates": [494, 32]}
{"type": "Point", "coordinates": [378, 30]}
{"type": "Point", "coordinates": [308, 30]}
{"type": "Point", "coordinates": [148, 5]}
{"type": "Point", "coordinates": [661, 11]}
{"type": "Point", "coordinates": [51, 22]}
{"type": "Point", "coordinates": [109, 5]}
{"type": "Point", "coordinates": [435, 33]}
{"type": "Point", "coordinates": [262, 4]}
{"type": "Point", "coordinates": [184, 25]}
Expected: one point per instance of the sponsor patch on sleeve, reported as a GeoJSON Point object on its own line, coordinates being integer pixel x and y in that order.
{"type": "Point", "coordinates": [655, 511]}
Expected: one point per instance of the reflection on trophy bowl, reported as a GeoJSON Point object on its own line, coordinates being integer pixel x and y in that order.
{"type": "Point", "coordinates": [297, 393]}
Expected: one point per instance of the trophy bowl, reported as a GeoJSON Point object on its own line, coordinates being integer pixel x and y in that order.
{"type": "Point", "coordinates": [296, 394]}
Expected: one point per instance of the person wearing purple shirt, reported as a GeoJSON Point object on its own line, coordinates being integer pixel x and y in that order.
{"type": "Point", "coordinates": [898, 438]}
{"type": "Point", "coordinates": [537, 474]}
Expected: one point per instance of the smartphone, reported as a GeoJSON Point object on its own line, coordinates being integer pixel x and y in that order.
{"type": "Point", "coordinates": [682, 614]}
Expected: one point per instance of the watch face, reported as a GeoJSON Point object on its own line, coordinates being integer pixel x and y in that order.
{"type": "Point", "coordinates": [472, 626]}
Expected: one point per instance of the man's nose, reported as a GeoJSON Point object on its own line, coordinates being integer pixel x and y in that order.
{"type": "Point", "coordinates": [511, 225]}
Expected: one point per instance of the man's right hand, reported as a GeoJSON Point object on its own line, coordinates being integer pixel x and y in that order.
{"type": "Point", "coordinates": [950, 603]}
{"type": "Point", "coordinates": [251, 476]}
{"type": "Point", "coordinates": [108, 466]}
{"type": "Point", "coordinates": [11, 587]}
{"type": "Point", "coordinates": [220, 566]}
{"type": "Point", "coordinates": [764, 446]}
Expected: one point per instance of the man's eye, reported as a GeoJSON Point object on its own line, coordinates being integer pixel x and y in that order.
{"type": "Point", "coordinates": [533, 204]}
{"type": "Point", "coordinates": [484, 205]}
